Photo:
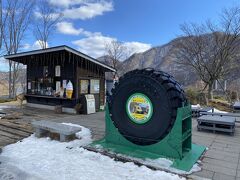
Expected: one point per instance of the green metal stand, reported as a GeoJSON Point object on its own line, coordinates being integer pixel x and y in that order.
{"type": "Point", "coordinates": [176, 146]}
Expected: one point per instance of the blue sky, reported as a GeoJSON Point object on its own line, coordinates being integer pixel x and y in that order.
{"type": "Point", "coordinates": [88, 25]}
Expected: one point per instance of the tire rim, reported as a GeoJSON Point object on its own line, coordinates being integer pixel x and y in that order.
{"type": "Point", "coordinates": [139, 108]}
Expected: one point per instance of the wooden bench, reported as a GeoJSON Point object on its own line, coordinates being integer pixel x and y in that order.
{"type": "Point", "coordinates": [49, 129]}
{"type": "Point", "coordinates": [217, 123]}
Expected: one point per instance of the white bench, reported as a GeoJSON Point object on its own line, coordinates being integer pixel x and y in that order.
{"type": "Point", "coordinates": [45, 128]}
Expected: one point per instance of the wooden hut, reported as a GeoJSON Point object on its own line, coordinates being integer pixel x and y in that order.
{"type": "Point", "coordinates": [50, 70]}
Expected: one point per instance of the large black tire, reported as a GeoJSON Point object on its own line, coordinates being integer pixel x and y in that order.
{"type": "Point", "coordinates": [166, 96]}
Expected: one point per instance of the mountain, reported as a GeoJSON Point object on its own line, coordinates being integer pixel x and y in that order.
{"type": "Point", "coordinates": [160, 58]}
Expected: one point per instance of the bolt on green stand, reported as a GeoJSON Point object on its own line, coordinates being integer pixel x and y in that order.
{"type": "Point", "coordinates": [176, 146]}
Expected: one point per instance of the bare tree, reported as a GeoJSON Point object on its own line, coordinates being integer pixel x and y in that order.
{"type": "Point", "coordinates": [1, 24]}
{"type": "Point", "coordinates": [47, 17]}
{"type": "Point", "coordinates": [16, 21]}
{"type": "Point", "coordinates": [115, 52]}
{"type": "Point", "coordinates": [211, 50]}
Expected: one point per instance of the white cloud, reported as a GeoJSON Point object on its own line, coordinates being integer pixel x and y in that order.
{"type": "Point", "coordinates": [79, 9]}
{"type": "Point", "coordinates": [37, 44]}
{"type": "Point", "coordinates": [52, 16]}
{"type": "Point", "coordinates": [137, 47]}
{"type": "Point", "coordinates": [95, 45]}
{"type": "Point", "coordinates": [26, 46]}
{"type": "Point", "coordinates": [88, 10]}
{"type": "Point", "coordinates": [67, 28]}
{"type": "Point", "coordinates": [66, 3]}
{"type": "Point", "coordinates": [37, 14]}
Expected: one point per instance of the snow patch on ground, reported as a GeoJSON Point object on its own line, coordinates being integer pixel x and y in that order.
{"type": "Point", "coordinates": [34, 158]}
{"type": "Point", "coordinates": [217, 111]}
{"type": "Point", "coordinates": [196, 106]}
{"type": "Point", "coordinates": [85, 134]}
{"type": "Point", "coordinates": [6, 106]}
{"type": "Point", "coordinates": [165, 164]}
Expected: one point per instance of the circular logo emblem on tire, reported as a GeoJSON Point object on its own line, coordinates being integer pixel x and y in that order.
{"type": "Point", "coordinates": [139, 108]}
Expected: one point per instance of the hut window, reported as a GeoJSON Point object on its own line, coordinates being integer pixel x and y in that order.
{"type": "Point", "coordinates": [94, 86]}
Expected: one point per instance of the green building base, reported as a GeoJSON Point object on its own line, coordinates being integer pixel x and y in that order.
{"type": "Point", "coordinates": [176, 146]}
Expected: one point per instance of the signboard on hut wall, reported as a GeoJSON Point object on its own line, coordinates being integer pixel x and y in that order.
{"type": "Point", "coordinates": [57, 71]}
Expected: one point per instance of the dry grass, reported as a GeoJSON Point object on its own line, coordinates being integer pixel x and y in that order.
{"type": "Point", "coordinates": [221, 105]}
{"type": "Point", "coordinates": [3, 89]}
{"type": "Point", "coordinates": [6, 100]}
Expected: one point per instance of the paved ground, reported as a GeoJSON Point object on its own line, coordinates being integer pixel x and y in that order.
{"type": "Point", "coordinates": [221, 161]}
